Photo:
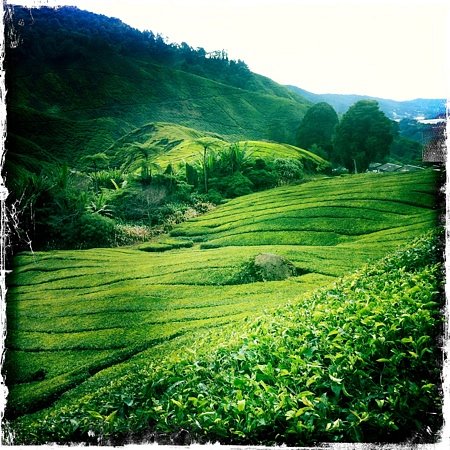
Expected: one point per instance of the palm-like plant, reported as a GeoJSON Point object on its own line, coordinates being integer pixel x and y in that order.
{"type": "Point", "coordinates": [95, 163]}
{"type": "Point", "coordinates": [99, 205]}
{"type": "Point", "coordinates": [208, 158]}
{"type": "Point", "coordinates": [139, 156]}
{"type": "Point", "coordinates": [238, 157]}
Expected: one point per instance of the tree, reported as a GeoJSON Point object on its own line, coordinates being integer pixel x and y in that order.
{"type": "Point", "coordinates": [363, 136]}
{"type": "Point", "coordinates": [317, 128]}
{"type": "Point", "coordinates": [207, 159]}
{"type": "Point", "coordinates": [235, 158]}
{"type": "Point", "coordinates": [95, 163]}
{"type": "Point", "coordinates": [139, 155]}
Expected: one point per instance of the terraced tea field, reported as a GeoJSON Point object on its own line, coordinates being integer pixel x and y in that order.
{"type": "Point", "coordinates": [175, 144]}
{"type": "Point", "coordinates": [80, 321]}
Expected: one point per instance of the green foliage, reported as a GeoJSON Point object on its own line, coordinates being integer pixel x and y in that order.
{"type": "Point", "coordinates": [109, 179]}
{"type": "Point", "coordinates": [191, 175]}
{"type": "Point", "coordinates": [231, 186]}
{"type": "Point", "coordinates": [95, 230]}
{"type": "Point", "coordinates": [317, 128]}
{"type": "Point", "coordinates": [353, 362]}
{"type": "Point", "coordinates": [95, 162]}
{"type": "Point", "coordinates": [406, 150]}
{"type": "Point", "coordinates": [288, 170]}
{"type": "Point", "coordinates": [262, 178]}
{"type": "Point", "coordinates": [363, 136]}
{"type": "Point", "coordinates": [264, 267]}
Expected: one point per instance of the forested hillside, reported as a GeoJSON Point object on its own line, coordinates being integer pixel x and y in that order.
{"type": "Point", "coordinates": [77, 81]}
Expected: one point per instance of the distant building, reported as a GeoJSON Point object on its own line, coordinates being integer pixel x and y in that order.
{"type": "Point", "coordinates": [410, 168]}
{"type": "Point", "coordinates": [388, 167]}
{"type": "Point", "coordinates": [435, 151]}
{"type": "Point", "coordinates": [391, 167]}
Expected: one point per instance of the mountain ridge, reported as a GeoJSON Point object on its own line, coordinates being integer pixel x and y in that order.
{"type": "Point", "coordinates": [394, 109]}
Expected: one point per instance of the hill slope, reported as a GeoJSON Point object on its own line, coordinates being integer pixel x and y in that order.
{"type": "Point", "coordinates": [78, 319]}
{"type": "Point", "coordinates": [175, 144]}
{"type": "Point", "coordinates": [78, 81]}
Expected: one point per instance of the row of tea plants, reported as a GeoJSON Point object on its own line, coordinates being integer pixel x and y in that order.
{"type": "Point", "coordinates": [359, 361]}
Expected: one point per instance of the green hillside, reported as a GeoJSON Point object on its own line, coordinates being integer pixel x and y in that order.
{"type": "Point", "coordinates": [174, 144]}
{"type": "Point", "coordinates": [79, 81]}
{"type": "Point", "coordinates": [81, 322]}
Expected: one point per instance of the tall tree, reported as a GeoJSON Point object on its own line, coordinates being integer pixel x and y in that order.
{"type": "Point", "coordinates": [363, 136]}
{"type": "Point", "coordinates": [207, 158]}
{"type": "Point", "coordinates": [139, 156]}
{"type": "Point", "coordinates": [317, 128]}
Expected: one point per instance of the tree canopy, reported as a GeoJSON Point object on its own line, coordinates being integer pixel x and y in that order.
{"type": "Point", "coordinates": [363, 136]}
{"type": "Point", "coordinates": [317, 128]}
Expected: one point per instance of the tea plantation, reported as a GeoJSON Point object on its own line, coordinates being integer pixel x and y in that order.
{"type": "Point", "coordinates": [102, 342]}
{"type": "Point", "coordinates": [174, 144]}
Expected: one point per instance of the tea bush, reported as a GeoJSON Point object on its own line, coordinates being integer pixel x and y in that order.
{"type": "Point", "coordinates": [357, 362]}
{"type": "Point", "coordinates": [122, 303]}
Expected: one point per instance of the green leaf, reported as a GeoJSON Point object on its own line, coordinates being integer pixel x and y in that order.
{"type": "Point", "coordinates": [241, 405]}
{"type": "Point", "coordinates": [177, 403]}
{"type": "Point", "coordinates": [193, 400]}
{"type": "Point", "coordinates": [345, 392]}
{"type": "Point", "coordinates": [312, 380]}
{"type": "Point", "coordinates": [384, 360]}
{"type": "Point", "coordinates": [96, 415]}
{"type": "Point", "coordinates": [306, 401]}
{"type": "Point", "coordinates": [336, 380]}
{"type": "Point", "coordinates": [111, 417]}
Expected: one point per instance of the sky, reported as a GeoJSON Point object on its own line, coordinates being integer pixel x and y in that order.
{"type": "Point", "coordinates": [397, 49]}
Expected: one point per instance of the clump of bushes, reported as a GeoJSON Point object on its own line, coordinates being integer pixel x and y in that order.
{"type": "Point", "coordinates": [264, 267]}
{"type": "Point", "coordinates": [66, 208]}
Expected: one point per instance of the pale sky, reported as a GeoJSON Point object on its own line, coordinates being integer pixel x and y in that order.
{"type": "Point", "coordinates": [398, 49]}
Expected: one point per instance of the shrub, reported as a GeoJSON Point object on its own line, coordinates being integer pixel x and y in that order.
{"type": "Point", "coordinates": [233, 185]}
{"type": "Point", "coordinates": [155, 247]}
{"type": "Point", "coordinates": [265, 267]}
{"type": "Point", "coordinates": [214, 196]}
{"type": "Point", "coordinates": [288, 170]}
{"type": "Point", "coordinates": [262, 179]}
{"type": "Point", "coordinates": [95, 230]}
{"type": "Point", "coordinates": [127, 234]}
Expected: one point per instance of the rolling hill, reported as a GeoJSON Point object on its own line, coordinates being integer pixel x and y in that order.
{"type": "Point", "coordinates": [175, 144]}
{"type": "Point", "coordinates": [79, 320]}
{"type": "Point", "coordinates": [107, 345]}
